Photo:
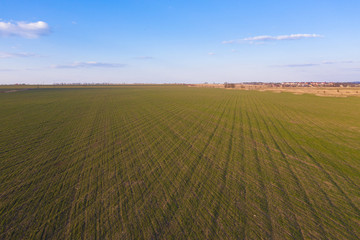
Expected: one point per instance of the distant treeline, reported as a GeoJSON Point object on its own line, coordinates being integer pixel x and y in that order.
{"type": "Point", "coordinates": [229, 85]}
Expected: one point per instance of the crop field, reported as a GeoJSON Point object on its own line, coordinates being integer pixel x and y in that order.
{"type": "Point", "coordinates": [173, 162]}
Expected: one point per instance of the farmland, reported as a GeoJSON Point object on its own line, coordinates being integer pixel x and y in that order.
{"type": "Point", "coordinates": [173, 162]}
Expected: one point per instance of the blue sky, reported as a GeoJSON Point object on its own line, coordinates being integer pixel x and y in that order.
{"type": "Point", "coordinates": [168, 41]}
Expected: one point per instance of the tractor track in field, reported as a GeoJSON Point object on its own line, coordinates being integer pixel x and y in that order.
{"type": "Point", "coordinates": [295, 228]}
{"type": "Point", "coordinates": [305, 195]}
{"type": "Point", "coordinates": [215, 214]}
{"type": "Point", "coordinates": [241, 205]}
{"type": "Point", "coordinates": [264, 204]}
{"type": "Point", "coordinates": [324, 171]}
{"type": "Point", "coordinates": [188, 176]}
{"type": "Point", "coordinates": [285, 157]}
{"type": "Point", "coordinates": [310, 133]}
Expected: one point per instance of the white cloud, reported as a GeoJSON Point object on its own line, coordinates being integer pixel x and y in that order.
{"type": "Point", "coordinates": [15, 55]}
{"type": "Point", "coordinates": [23, 29]}
{"type": "Point", "coordinates": [273, 38]}
{"type": "Point", "coordinates": [90, 65]}
{"type": "Point", "coordinates": [211, 54]}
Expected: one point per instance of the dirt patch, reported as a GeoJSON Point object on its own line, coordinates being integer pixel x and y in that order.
{"type": "Point", "coordinates": [318, 91]}
{"type": "Point", "coordinates": [322, 92]}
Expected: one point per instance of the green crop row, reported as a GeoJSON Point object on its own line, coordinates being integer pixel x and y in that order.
{"type": "Point", "coordinates": [172, 162]}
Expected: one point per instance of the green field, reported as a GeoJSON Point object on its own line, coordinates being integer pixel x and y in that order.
{"type": "Point", "coordinates": [171, 162]}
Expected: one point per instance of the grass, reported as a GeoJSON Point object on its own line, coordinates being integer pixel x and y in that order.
{"type": "Point", "coordinates": [167, 162]}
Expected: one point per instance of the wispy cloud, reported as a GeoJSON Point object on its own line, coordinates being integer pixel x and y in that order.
{"type": "Point", "coordinates": [24, 29]}
{"type": "Point", "coordinates": [211, 53]}
{"type": "Point", "coordinates": [16, 55]}
{"type": "Point", "coordinates": [90, 65]}
{"type": "Point", "coordinates": [144, 58]}
{"type": "Point", "coordinates": [336, 62]}
{"type": "Point", "coordinates": [354, 69]}
{"type": "Point", "coordinates": [282, 37]}
{"type": "Point", "coordinates": [264, 38]}
{"type": "Point", "coordinates": [301, 65]}
{"type": "Point", "coordinates": [313, 64]}
{"type": "Point", "coordinates": [231, 41]}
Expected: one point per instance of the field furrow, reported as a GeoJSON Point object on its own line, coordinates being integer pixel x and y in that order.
{"type": "Point", "coordinates": [173, 162]}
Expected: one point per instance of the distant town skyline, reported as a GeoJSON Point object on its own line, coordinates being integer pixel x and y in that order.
{"type": "Point", "coordinates": [169, 41]}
